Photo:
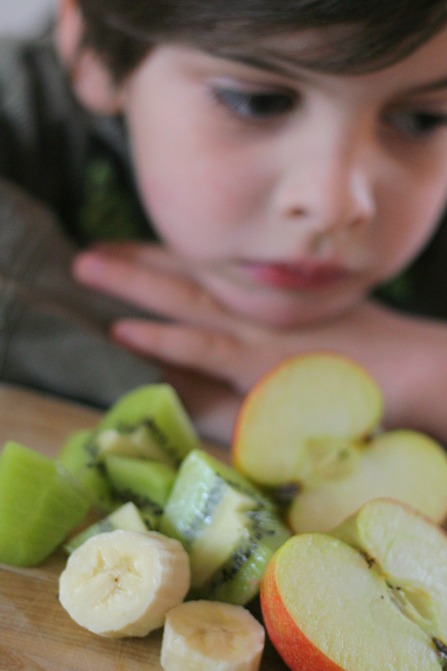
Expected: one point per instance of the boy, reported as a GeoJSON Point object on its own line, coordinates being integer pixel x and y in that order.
{"type": "Point", "coordinates": [291, 158]}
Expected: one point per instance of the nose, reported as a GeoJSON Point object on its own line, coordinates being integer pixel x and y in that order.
{"type": "Point", "coordinates": [327, 183]}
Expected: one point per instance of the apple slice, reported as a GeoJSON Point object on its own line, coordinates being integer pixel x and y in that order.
{"type": "Point", "coordinates": [302, 416]}
{"type": "Point", "coordinates": [405, 465]}
{"type": "Point", "coordinates": [312, 427]}
{"type": "Point", "coordinates": [370, 595]}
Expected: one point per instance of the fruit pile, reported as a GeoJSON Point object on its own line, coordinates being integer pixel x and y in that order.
{"type": "Point", "coordinates": [171, 522]}
{"type": "Point", "coordinates": [312, 428]}
{"type": "Point", "coordinates": [330, 518]}
{"type": "Point", "coordinates": [371, 595]}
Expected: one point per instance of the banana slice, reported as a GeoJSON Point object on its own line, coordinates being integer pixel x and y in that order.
{"type": "Point", "coordinates": [122, 583]}
{"type": "Point", "coordinates": [204, 635]}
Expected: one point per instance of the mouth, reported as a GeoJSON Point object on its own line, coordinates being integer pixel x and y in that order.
{"type": "Point", "coordinates": [302, 275]}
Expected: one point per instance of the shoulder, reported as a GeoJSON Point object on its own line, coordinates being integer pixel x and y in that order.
{"type": "Point", "coordinates": [32, 82]}
{"type": "Point", "coordinates": [17, 74]}
{"type": "Point", "coordinates": [43, 130]}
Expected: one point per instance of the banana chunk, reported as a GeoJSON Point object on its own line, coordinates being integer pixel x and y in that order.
{"type": "Point", "coordinates": [122, 583]}
{"type": "Point", "coordinates": [203, 635]}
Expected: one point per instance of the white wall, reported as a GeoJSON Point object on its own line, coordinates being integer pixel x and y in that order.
{"type": "Point", "coordinates": [23, 17]}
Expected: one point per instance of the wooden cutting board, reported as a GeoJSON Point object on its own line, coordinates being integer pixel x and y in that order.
{"type": "Point", "coordinates": [36, 633]}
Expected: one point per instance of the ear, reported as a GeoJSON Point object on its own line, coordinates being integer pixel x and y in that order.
{"type": "Point", "coordinates": [90, 78]}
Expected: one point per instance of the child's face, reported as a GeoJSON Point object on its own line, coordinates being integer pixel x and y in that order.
{"type": "Point", "coordinates": [290, 192]}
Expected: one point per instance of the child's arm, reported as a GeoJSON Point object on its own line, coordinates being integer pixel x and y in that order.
{"type": "Point", "coordinates": [406, 355]}
{"type": "Point", "coordinates": [53, 332]}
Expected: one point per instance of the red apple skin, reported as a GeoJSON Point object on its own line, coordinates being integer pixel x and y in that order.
{"type": "Point", "coordinates": [298, 652]}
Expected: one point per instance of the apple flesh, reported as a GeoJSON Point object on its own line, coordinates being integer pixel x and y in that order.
{"type": "Point", "coordinates": [371, 595]}
{"type": "Point", "coordinates": [312, 427]}
{"type": "Point", "coordinates": [404, 465]}
{"type": "Point", "coordinates": [311, 402]}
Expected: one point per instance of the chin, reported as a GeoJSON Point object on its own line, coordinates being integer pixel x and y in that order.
{"type": "Point", "coordinates": [285, 313]}
{"type": "Point", "coordinates": [281, 309]}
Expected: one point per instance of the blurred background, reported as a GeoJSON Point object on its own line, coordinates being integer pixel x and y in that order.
{"type": "Point", "coordinates": [22, 17]}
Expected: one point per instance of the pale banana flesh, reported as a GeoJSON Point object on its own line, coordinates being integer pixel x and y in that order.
{"type": "Point", "coordinates": [122, 583]}
{"type": "Point", "coordinates": [204, 635]}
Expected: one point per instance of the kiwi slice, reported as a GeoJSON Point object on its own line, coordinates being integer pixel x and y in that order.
{"type": "Point", "coordinates": [237, 579]}
{"type": "Point", "coordinates": [228, 527]}
{"type": "Point", "coordinates": [149, 422]}
{"type": "Point", "coordinates": [126, 517]}
{"type": "Point", "coordinates": [40, 502]}
{"type": "Point", "coordinates": [146, 483]}
{"type": "Point", "coordinates": [77, 455]}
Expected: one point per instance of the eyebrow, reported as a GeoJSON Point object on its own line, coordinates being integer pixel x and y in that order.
{"type": "Point", "coordinates": [287, 69]}
{"type": "Point", "coordinates": [268, 66]}
{"type": "Point", "coordinates": [259, 63]}
{"type": "Point", "coordinates": [431, 86]}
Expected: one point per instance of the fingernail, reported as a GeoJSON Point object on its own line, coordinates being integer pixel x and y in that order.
{"type": "Point", "coordinates": [88, 265]}
{"type": "Point", "coordinates": [127, 333]}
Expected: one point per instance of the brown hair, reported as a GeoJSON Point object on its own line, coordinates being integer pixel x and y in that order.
{"type": "Point", "coordinates": [376, 32]}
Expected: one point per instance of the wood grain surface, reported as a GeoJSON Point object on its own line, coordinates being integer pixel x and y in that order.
{"type": "Point", "coordinates": [36, 633]}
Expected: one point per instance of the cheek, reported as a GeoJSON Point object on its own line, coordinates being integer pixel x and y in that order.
{"type": "Point", "coordinates": [412, 218]}
{"type": "Point", "coordinates": [197, 202]}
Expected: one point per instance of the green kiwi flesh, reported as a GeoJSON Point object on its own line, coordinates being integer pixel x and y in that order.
{"type": "Point", "coordinates": [126, 517]}
{"type": "Point", "coordinates": [149, 422]}
{"type": "Point", "coordinates": [227, 526]}
{"type": "Point", "coordinates": [77, 455]}
{"type": "Point", "coordinates": [40, 503]}
{"type": "Point", "coordinates": [146, 483]}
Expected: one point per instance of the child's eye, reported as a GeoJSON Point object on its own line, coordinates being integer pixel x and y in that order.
{"type": "Point", "coordinates": [255, 106]}
{"type": "Point", "coordinates": [418, 125]}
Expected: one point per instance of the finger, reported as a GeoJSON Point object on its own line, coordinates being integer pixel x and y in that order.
{"type": "Point", "coordinates": [212, 353]}
{"type": "Point", "coordinates": [166, 293]}
{"type": "Point", "coordinates": [139, 253]}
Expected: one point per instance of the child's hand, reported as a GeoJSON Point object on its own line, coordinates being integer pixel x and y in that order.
{"type": "Point", "coordinates": [213, 356]}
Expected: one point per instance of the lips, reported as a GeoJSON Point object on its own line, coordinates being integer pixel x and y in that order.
{"type": "Point", "coordinates": [304, 275]}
